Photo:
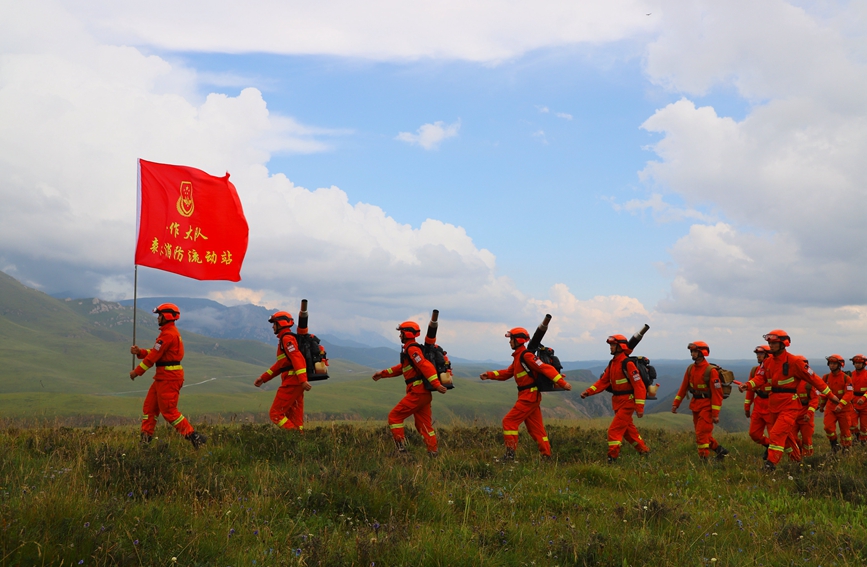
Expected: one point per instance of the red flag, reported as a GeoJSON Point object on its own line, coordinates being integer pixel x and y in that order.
{"type": "Point", "coordinates": [190, 223]}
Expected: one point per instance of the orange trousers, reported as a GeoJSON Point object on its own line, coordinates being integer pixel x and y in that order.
{"type": "Point", "coordinates": [831, 421]}
{"type": "Point", "coordinates": [703, 422]}
{"type": "Point", "coordinates": [287, 411]}
{"type": "Point", "coordinates": [622, 428]}
{"type": "Point", "coordinates": [162, 398]}
{"type": "Point", "coordinates": [805, 442]}
{"type": "Point", "coordinates": [416, 405]}
{"type": "Point", "coordinates": [759, 422]}
{"type": "Point", "coordinates": [859, 418]}
{"type": "Point", "coordinates": [781, 435]}
{"type": "Point", "coordinates": [529, 413]}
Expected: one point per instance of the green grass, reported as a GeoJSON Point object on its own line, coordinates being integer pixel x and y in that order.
{"type": "Point", "coordinates": [338, 495]}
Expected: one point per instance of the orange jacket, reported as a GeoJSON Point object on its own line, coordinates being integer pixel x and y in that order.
{"type": "Point", "coordinates": [809, 398]}
{"type": "Point", "coordinates": [841, 385]}
{"type": "Point", "coordinates": [527, 389]}
{"type": "Point", "coordinates": [292, 371]}
{"type": "Point", "coordinates": [167, 354]}
{"type": "Point", "coordinates": [628, 389]}
{"type": "Point", "coordinates": [412, 361]}
{"type": "Point", "coordinates": [859, 385]}
{"type": "Point", "coordinates": [706, 390]}
{"type": "Point", "coordinates": [759, 398]}
{"type": "Point", "coordinates": [784, 385]}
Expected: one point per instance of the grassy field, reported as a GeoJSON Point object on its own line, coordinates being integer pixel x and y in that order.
{"type": "Point", "coordinates": [339, 495]}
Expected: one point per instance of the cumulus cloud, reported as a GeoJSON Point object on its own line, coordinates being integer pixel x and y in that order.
{"type": "Point", "coordinates": [481, 30]}
{"type": "Point", "coordinates": [563, 115]}
{"type": "Point", "coordinates": [430, 136]}
{"type": "Point", "coordinates": [786, 179]}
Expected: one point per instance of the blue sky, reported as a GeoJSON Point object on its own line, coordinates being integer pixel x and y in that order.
{"type": "Point", "coordinates": [582, 159]}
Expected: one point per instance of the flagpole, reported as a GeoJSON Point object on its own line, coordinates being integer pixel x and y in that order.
{"type": "Point", "coordinates": [134, 309]}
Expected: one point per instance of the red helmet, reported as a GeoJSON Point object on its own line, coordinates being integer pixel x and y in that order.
{"type": "Point", "coordinates": [410, 329]}
{"type": "Point", "coordinates": [778, 336]}
{"type": "Point", "coordinates": [762, 349]}
{"type": "Point", "coordinates": [836, 358]}
{"type": "Point", "coordinates": [283, 320]}
{"type": "Point", "coordinates": [700, 346]}
{"type": "Point", "coordinates": [618, 340]}
{"type": "Point", "coordinates": [520, 335]}
{"type": "Point", "coordinates": [859, 358]}
{"type": "Point", "coordinates": [168, 310]}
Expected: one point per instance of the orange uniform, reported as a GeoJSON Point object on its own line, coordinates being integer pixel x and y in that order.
{"type": "Point", "coordinates": [759, 417]}
{"type": "Point", "coordinates": [162, 396]}
{"type": "Point", "coordinates": [805, 425]}
{"type": "Point", "coordinates": [703, 383]}
{"type": "Point", "coordinates": [527, 409]}
{"type": "Point", "coordinates": [287, 410]}
{"type": "Point", "coordinates": [784, 372]}
{"type": "Point", "coordinates": [841, 413]}
{"type": "Point", "coordinates": [859, 385]}
{"type": "Point", "coordinates": [413, 367]}
{"type": "Point", "coordinates": [629, 393]}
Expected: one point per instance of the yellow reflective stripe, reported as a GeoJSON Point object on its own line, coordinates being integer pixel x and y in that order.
{"type": "Point", "coordinates": [269, 372]}
{"type": "Point", "coordinates": [676, 398]}
{"type": "Point", "coordinates": [593, 388]}
{"type": "Point", "coordinates": [432, 377]}
{"type": "Point", "coordinates": [396, 426]}
{"type": "Point", "coordinates": [775, 448]}
{"type": "Point", "coordinates": [509, 432]}
{"type": "Point", "coordinates": [289, 372]}
{"type": "Point", "coordinates": [496, 373]}
{"type": "Point", "coordinates": [826, 391]}
{"type": "Point", "coordinates": [534, 389]}
{"type": "Point", "coordinates": [416, 383]}
{"type": "Point", "coordinates": [639, 402]}
{"type": "Point", "coordinates": [175, 367]}
{"type": "Point", "coordinates": [786, 381]}
{"type": "Point", "coordinates": [613, 443]}
{"type": "Point", "coordinates": [281, 356]}
{"type": "Point", "coordinates": [145, 416]}
{"type": "Point", "coordinates": [700, 386]}
{"type": "Point", "coordinates": [544, 438]}
{"type": "Point", "coordinates": [789, 449]}
{"type": "Point", "coordinates": [432, 433]}
{"type": "Point", "coordinates": [407, 368]}
{"type": "Point", "coordinates": [178, 420]}
{"type": "Point", "coordinates": [812, 409]}
{"type": "Point", "coordinates": [300, 427]}
{"type": "Point", "coordinates": [704, 446]}
{"type": "Point", "coordinates": [715, 407]}
{"type": "Point", "coordinates": [622, 381]}
{"type": "Point", "coordinates": [143, 366]}
{"type": "Point", "coordinates": [520, 374]}
{"type": "Point", "coordinates": [557, 378]}
{"type": "Point", "coordinates": [282, 421]}
{"type": "Point", "coordinates": [388, 370]}
{"type": "Point", "coordinates": [752, 384]}
{"type": "Point", "coordinates": [302, 371]}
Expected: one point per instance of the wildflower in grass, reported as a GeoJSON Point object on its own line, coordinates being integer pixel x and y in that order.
{"type": "Point", "coordinates": [135, 542]}
{"type": "Point", "coordinates": [86, 524]}
{"type": "Point", "coordinates": [129, 495]}
{"type": "Point", "coordinates": [81, 561]}
{"type": "Point", "coordinates": [297, 552]}
{"type": "Point", "coordinates": [255, 532]}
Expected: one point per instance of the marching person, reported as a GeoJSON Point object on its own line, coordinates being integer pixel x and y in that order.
{"type": "Point", "coordinates": [805, 425]}
{"type": "Point", "coordinates": [758, 416]}
{"type": "Point", "coordinates": [629, 393]}
{"type": "Point", "coordinates": [784, 372]}
{"type": "Point", "coordinates": [702, 381]}
{"type": "Point", "coordinates": [415, 369]}
{"type": "Point", "coordinates": [287, 410]}
{"type": "Point", "coordinates": [859, 385]}
{"type": "Point", "coordinates": [524, 368]}
{"type": "Point", "coordinates": [838, 412]}
{"type": "Point", "coordinates": [162, 396]}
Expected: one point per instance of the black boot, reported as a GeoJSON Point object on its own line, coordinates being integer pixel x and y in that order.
{"type": "Point", "coordinates": [770, 467]}
{"type": "Point", "coordinates": [721, 453]}
{"type": "Point", "coordinates": [765, 454]}
{"type": "Point", "coordinates": [401, 446]}
{"type": "Point", "coordinates": [835, 445]}
{"type": "Point", "coordinates": [145, 439]}
{"type": "Point", "coordinates": [509, 455]}
{"type": "Point", "coordinates": [197, 439]}
{"type": "Point", "coordinates": [611, 460]}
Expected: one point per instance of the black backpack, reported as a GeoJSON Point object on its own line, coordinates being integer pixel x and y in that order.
{"type": "Point", "coordinates": [546, 355]}
{"type": "Point", "coordinates": [645, 370]}
{"type": "Point", "coordinates": [436, 356]}
{"type": "Point", "coordinates": [310, 349]}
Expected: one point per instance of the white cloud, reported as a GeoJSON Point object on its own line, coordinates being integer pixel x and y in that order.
{"type": "Point", "coordinates": [661, 211]}
{"type": "Point", "coordinates": [543, 109]}
{"type": "Point", "coordinates": [430, 136]}
{"type": "Point", "coordinates": [540, 135]}
{"type": "Point", "coordinates": [481, 30]}
{"type": "Point", "coordinates": [563, 115]}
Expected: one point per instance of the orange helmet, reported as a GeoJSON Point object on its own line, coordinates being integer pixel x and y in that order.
{"type": "Point", "coordinates": [618, 340]}
{"type": "Point", "coordinates": [762, 349]}
{"type": "Point", "coordinates": [520, 335]}
{"type": "Point", "coordinates": [283, 320]}
{"type": "Point", "coordinates": [168, 310]}
{"type": "Point", "coordinates": [778, 336]}
{"type": "Point", "coordinates": [700, 346]}
{"type": "Point", "coordinates": [836, 358]}
{"type": "Point", "coordinates": [409, 328]}
{"type": "Point", "coordinates": [859, 358]}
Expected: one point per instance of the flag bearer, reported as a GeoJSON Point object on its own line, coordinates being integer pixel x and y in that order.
{"type": "Point", "coordinates": [414, 368]}
{"type": "Point", "coordinates": [162, 396]}
{"type": "Point", "coordinates": [287, 411]}
{"type": "Point", "coordinates": [525, 365]}
{"type": "Point", "coordinates": [629, 393]}
{"type": "Point", "coordinates": [704, 385]}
